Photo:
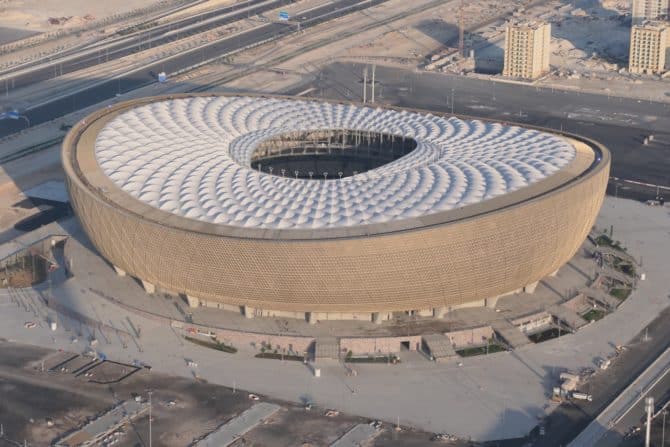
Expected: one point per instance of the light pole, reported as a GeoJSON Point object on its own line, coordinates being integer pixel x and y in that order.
{"type": "Point", "coordinates": [663, 431]}
{"type": "Point", "coordinates": [649, 408]}
{"type": "Point", "coordinates": [150, 392]}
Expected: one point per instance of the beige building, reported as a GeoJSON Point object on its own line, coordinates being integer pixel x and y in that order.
{"type": "Point", "coordinates": [649, 10]}
{"type": "Point", "coordinates": [648, 43]}
{"type": "Point", "coordinates": [429, 264]}
{"type": "Point", "coordinates": [527, 49]}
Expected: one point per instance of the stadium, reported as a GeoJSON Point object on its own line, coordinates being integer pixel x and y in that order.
{"type": "Point", "coordinates": [301, 208]}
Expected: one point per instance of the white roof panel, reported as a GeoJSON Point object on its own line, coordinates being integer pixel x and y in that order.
{"type": "Point", "coordinates": [191, 157]}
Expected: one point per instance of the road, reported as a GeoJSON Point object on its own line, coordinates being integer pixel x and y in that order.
{"type": "Point", "coordinates": [108, 88]}
{"type": "Point", "coordinates": [151, 37]}
{"type": "Point", "coordinates": [624, 406]}
{"type": "Point", "coordinates": [636, 415]}
{"type": "Point", "coordinates": [621, 124]}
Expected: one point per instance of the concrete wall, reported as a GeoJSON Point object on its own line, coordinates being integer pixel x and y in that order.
{"type": "Point", "coordinates": [470, 337]}
{"type": "Point", "coordinates": [379, 345]}
{"type": "Point", "coordinates": [530, 323]}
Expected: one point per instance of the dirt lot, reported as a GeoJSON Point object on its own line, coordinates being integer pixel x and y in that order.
{"type": "Point", "coordinates": [183, 410]}
{"type": "Point", "coordinates": [39, 406]}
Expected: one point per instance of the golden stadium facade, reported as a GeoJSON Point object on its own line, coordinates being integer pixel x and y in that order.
{"type": "Point", "coordinates": [324, 210]}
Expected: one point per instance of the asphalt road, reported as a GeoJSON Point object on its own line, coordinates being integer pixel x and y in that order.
{"type": "Point", "coordinates": [571, 418]}
{"type": "Point", "coordinates": [620, 124]}
{"type": "Point", "coordinates": [147, 74]}
{"type": "Point", "coordinates": [152, 37]}
{"type": "Point", "coordinates": [637, 416]}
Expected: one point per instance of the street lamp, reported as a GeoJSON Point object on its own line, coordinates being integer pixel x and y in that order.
{"type": "Point", "coordinates": [150, 392]}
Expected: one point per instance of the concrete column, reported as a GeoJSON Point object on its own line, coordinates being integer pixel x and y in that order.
{"type": "Point", "coordinates": [377, 317]}
{"type": "Point", "coordinates": [119, 271]}
{"type": "Point", "coordinates": [439, 312]}
{"type": "Point", "coordinates": [530, 288]}
{"type": "Point", "coordinates": [491, 302]}
{"type": "Point", "coordinates": [148, 287]}
{"type": "Point", "coordinates": [310, 317]}
{"type": "Point", "coordinates": [249, 311]}
{"type": "Point", "coordinates": [192, 301]}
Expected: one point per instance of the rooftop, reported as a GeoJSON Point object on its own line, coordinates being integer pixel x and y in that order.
{"type": "Point", "coordinates": [192, 157]}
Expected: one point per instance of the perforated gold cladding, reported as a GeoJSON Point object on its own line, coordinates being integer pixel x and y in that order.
{"type": "Point", "coordinates": [462, 260]}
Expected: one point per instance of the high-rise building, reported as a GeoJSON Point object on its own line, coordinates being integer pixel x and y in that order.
{"type": "Point", "coordinates": [527, 48]}
{"type": "Point", "coordinates": [649, 10]}
{"type": "Point", "coordinates": [648, 43]}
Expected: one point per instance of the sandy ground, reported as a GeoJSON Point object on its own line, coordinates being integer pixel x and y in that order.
{"type": "Point", "coordinates": [197, 9]}
{"type": "Point", "coordinates": [590, 39]}
{"type": "Point", "coordinates": [182, 410]}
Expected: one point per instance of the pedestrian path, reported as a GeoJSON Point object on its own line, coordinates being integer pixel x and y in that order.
{"type": "Point", "coordinates": [360, 435]}
{"type": "Point", "coordinates": [236, 427]}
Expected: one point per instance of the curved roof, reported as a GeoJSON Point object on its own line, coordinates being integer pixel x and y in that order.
{"type": "Point", "coordinates": [191, 157]}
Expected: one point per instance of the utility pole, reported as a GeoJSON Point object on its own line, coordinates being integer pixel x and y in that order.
{"type": "Point", "coordinates": [150, 392]}
{"type": "Point", "coordinates": [649, 408]}
{"type": "Point", "coordinates": [665, 412]}
{"type": "Point", "coordinates": [365, 83]}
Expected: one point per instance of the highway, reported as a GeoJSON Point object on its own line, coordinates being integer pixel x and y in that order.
{"type": "Point", "coordinates": [143, 40]}
{"type": "Point", "coordinates": [108, 88]}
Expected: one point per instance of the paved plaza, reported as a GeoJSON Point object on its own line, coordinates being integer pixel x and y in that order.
{"type": "Point", "coordinates": [488, 397]}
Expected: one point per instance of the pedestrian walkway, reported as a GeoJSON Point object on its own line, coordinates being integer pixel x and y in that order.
{"type": "Point", "coordinates": [358, 436]}
{"type": "Point", "coordinates": [94, 432]}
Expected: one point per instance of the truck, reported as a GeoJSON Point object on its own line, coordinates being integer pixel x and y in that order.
{"type": "Point", "coordinates": [582, 396]}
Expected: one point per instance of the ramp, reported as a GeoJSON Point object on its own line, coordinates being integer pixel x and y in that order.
{"type": "Point", "coordinates": [612, 274]}
{"type": "Point", "coordinates": [510, 333]}
{"type": "Point", "coordinates": [569, 317]}
{"type": "Point", "coordinates": [438, 346]}
{"type": "Point", "coordinates": [600, 297]}
{"type": "Point", "coordinates": [358, 436]}
{"type": "Point", "coordinates": [326, 348]}
{"type": "Point", "coordinates": [236, 427]}
{"type": "Point", "coordinates": [614, 253]}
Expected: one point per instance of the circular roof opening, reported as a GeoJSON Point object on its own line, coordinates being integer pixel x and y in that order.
{"type": "Point", "coordinates": [326, 154]}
